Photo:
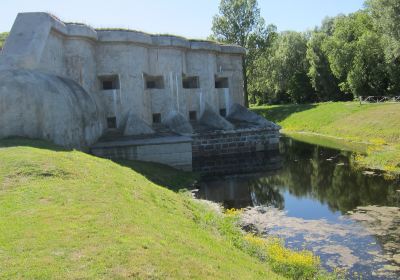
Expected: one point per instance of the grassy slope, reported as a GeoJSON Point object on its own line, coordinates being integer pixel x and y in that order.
{"type": "Point", "coordinates": [377, 124]}
{"type": "Point", "coordinates": [3, 37]}
{"type": "Point", "coordinates": [68, 215]}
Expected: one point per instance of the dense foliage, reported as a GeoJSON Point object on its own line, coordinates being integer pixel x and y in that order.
{"type": "Point", "coordinates": [346, 57]}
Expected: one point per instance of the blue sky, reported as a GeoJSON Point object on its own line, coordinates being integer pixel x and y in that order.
{"type": "Point", "coordinates": [189, 18]}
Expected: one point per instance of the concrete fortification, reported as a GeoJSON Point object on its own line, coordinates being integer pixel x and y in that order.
{"type": "Point", "coordinates": [72, 84]}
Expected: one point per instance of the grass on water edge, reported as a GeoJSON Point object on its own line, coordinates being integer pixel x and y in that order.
{"type": "Point", "coordinates": [372, 130]}
{"type": "Point", "coordinates": [67, 215]}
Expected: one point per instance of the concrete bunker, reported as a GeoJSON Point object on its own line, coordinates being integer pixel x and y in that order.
{"type": "Point", "coordinates": [127, 94]}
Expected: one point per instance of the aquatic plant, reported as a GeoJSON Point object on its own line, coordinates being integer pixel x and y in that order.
{"type": "Point", "coordinates": [271, 250]}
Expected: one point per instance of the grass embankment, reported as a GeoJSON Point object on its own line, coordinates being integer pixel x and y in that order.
{"type": "Point", "coordinates": [3, 37]}
{"type": "Point", "coordinates": [69, 215]}
{"type": "Point", "coordinates": [353, 125]}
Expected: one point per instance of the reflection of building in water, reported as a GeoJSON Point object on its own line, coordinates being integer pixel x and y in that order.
{"type": "Point", "coordinates": [231, 192]}
{"type": "Point", "coordinates": [307, 171]}
{"type": "Point", "coordinates": [238, 164]}
{"type": "Point", "coordinates": [239, 191]}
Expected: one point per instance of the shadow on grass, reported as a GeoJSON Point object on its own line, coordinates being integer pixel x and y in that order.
{"type": "Point", "coordinates": [280, 113]}
{"type": "Point", "coordinates": [159, 174]}
{"type": "Point", "coordinates": [34, 143]}
{"type": "Point", "coordinates": [162, 175]}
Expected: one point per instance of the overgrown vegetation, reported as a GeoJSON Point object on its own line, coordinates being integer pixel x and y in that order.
{"type": "Point", "coordinates": [69, 215]}
{"type": "Point", "coordinates": [375, 124]}
{"type": "Point", "coordinates": [292, 264]}
{"type": "Point", "coordinates": [3, 37]}
{"type": "Point", "coordinates": [346, 57]}
{"type": "Point", "coordinates": [271, 251]}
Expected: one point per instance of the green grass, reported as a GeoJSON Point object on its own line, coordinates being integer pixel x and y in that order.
{"type": "Point", "coordinates": [3, 37]}
{"type": "Point", "coordinates": [375, 124]}
{"type": "Point", "coordinates": [69, 215]}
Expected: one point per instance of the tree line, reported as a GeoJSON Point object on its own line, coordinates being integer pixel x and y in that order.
{"type": "Point", "coordinates": [347, 56]}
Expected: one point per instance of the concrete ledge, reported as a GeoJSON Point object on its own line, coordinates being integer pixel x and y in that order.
{"type": "Point", "coordinates": [80, 30]}
{"type": "Point", "coordinates": [138, 37]}
{"type": "Point", "coordinates": [237, 130]}
{"type": "Point", "coordinates": [143, 141]}
{"type": "Point", "coordinates": [124, 36]}
{"type": "Point", "coordinates": [203, 45]}
{"type": "Point", "coordinates": [175, 151]}
{"type": "Point", "coordinates": [164, 40]}
{"type": "Point", "coordinates": [128, 36]}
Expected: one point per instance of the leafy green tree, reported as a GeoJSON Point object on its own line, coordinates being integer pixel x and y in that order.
{"type": "Point", "coordinates": [239, 22]}
{"type": "Point", "coordinates": [386, 16]}
{"type": "Point", "coordinates": [356, 55]}
{"type": "Point", "coordinates": [322, 79]}
{"type": "Point", "coordinates": [327, 25]}
{"type": "Point", "coordinates": [255, 70]}
{"type": "Point", "coordinates": [369, 75]}
{"type": "Point", "coordinates": [346, 57]}
{"type": "Point", "coordinates": [283, 70]}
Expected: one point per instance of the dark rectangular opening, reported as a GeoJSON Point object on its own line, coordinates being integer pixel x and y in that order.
{"type": "Point", "coordinates": [153, 82]}
{"type": "Point", "coordinates": [109, 82]}
{"type": "Point", "coordinates": [222, 112]}
{"type": "Point", "coordinates": [221, 82]}
{"type": "Point", "coordinates": [108, 85]}
{"type": "Point", "coordinates": [157, 118]}
{"type": "Point", "coordinates": [190, 82]}
{"type": "Point", "coordinates": [112, 122]}
{"type": "Point", "coordinates": [150, 84]}
{"type": "Point", "coordinates": [192, 115]}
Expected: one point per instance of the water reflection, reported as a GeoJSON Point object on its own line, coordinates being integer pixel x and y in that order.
{"type": "Point", "coordinates": [240, 192]}
{"type": "Point", "coordinates": [265, 162]}
{"type": "Point", "coordinates": [318, 199]}
{"type": "Point", "coordinates": [313, 173]}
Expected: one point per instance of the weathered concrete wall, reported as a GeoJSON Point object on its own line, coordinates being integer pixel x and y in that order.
{"type": "Point", "coordinates": [40, 105]}
{"type": "Point", "coordinates": [172, 151]}
{"type": "Point", "coordinates": [238, 141]}
{"type": "Point", "coordinates": [76, 51]}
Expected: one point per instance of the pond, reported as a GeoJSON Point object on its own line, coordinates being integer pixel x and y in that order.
{"type": "Point", "coordinates": [314, 198]}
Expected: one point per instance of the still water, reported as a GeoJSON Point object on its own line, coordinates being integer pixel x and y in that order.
{"type": "Point", "coordinates": [314, 198]}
